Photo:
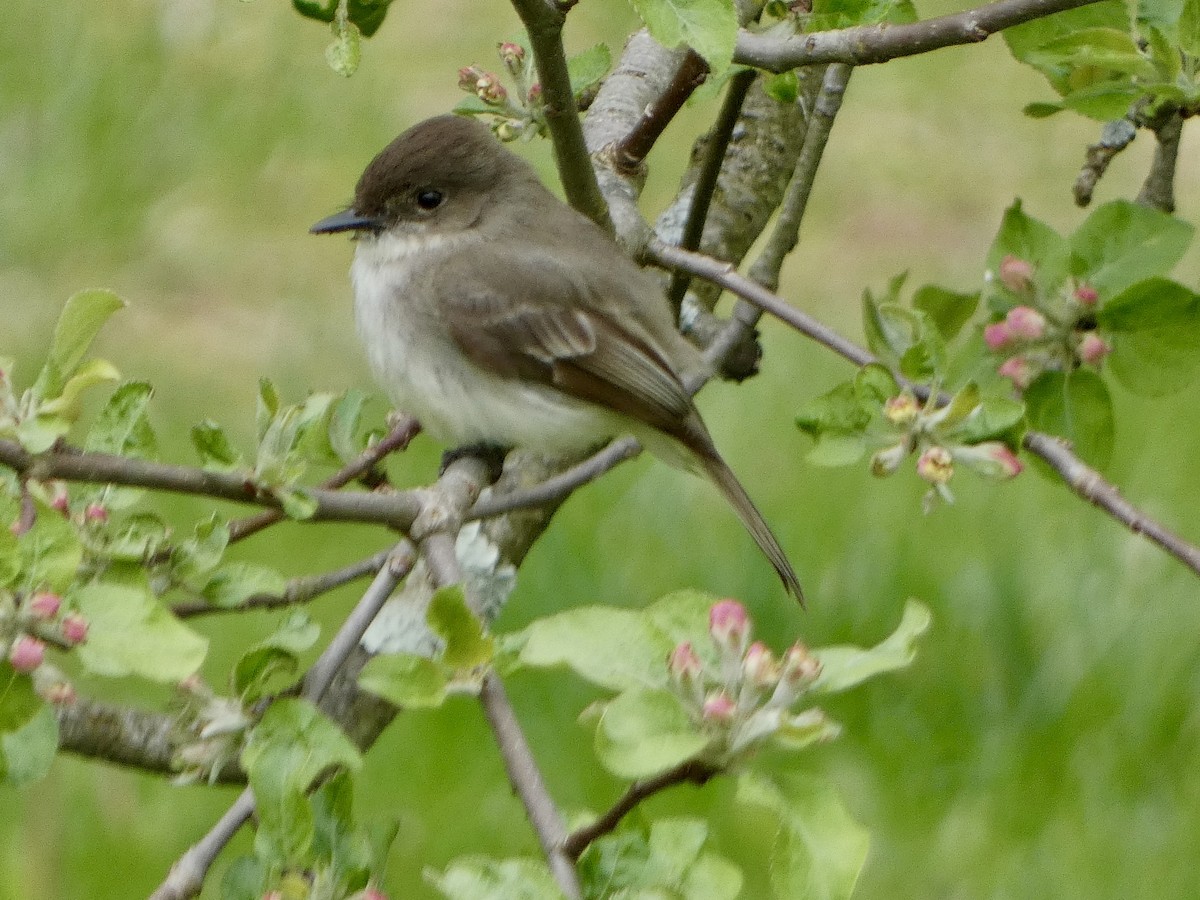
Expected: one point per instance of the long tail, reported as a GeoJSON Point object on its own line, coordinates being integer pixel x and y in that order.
{"type": "Point", "coordinates": [723, 477]}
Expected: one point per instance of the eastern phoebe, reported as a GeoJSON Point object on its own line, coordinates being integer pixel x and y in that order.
{"type": "Point", "coordinates": [496, 314]}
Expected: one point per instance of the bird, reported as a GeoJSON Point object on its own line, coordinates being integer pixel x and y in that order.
{"type": "Point", "coordinates": [499, 316]}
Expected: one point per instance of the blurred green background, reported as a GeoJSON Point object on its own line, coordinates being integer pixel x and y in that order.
{"type": "Point", "coordinates": [1045, 744]}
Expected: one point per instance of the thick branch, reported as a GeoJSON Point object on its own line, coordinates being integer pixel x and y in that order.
{"type": "Point", "coordinates": [866, 44]}
{"type": "Point", "coordinates": [1158, 190]}
{"type": "Point", "coordinates": [396, 510]}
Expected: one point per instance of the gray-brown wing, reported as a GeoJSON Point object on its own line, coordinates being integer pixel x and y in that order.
{"type": "Point", "coordinates": [541, 328]}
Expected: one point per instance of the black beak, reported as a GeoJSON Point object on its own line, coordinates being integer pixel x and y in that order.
{"type": "Point", "coordinates": [346, 220]}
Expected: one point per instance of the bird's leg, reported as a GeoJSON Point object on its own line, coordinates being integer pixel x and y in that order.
{"type": "Point", "coordinates": [492, 454]}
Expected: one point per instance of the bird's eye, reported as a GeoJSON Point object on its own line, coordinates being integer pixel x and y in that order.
{"type": "Point", "coordinates": [429, 199]}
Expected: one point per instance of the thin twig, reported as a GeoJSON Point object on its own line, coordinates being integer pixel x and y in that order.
{"type": "Point", "coordinates": [543, 22]}
{"type": "Point", "coordinates": [396, 440]}
{"type": "Point", "coordinates": [693, 771]}
{"type": "Point", "coordinates": [710, 171]}
{"type": "Point", "coordinates": [297, 590]}
{"type": "Point", "coordinates": [1083, 480]}
{"type": "Point", "coordinates": [629, 153]}
{"type": "Point", "coordinates": [457, 490]}
{"type": "Point", "coordinates": [866, 44]}
{"type": "Point", "coordinates": [186, 877]}
{"type": "Point", "coordinates": [1115, 137]}
{"type": "Point", "coordinates": [560, 485]}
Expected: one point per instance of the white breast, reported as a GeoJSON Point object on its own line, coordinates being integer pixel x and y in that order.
{"type": "Point", "coordinates": [426, 374]}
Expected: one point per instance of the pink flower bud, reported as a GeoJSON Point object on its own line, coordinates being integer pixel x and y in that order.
{"type": "Point", "coordinates": [374, 893]}
{"type": "Point", "coordinates": [512, 54]}
{"type": "Point", "coordinates": [759, 666]}
{"type": "Point", "coordinates": [997, 336]}
{"type": "Point", "coordinates": [27, 653]}
{"type": "Point", "coordinates": [1026, 322]}
{"type": "Point", "coordinates": [936, 465]}
{"type": "Point", "coordinates": [799, 666]}
{"type": "Point", "coordinates": [1019, 370]}
{"type": "Point", "coordinates": [902, 409]}
{"type": "Point", "coordinates": [535, 92]}
{"type": "Point", "coordinates": [61, 501]}
{"type": "Point", "coordinates": [44, 605]}
{"type": "Point", "coordinates": [683, 663]}
{"type": "Point", "coordinates": [1016, 274]}
{"type": "Point", "coordinates": [1086, 295]}
{"type": "Point", "coordinates": [74, 629]}
{"type": "Point", "coordinates": [991, 459]}
{"type": "Point", "coordinates": [95, 512]}
{"type": "Point", "coordinates": [467, 76]}
{"type": "Point", "coordinates": [729, 625]}
{"type": "Point", "coordinates": [718, 707]}
{"type": "Point", "coordinates": [1093, 348]}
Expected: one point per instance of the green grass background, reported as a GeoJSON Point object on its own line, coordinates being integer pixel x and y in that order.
{"type": "Point", "coordinates": [1045, 743]}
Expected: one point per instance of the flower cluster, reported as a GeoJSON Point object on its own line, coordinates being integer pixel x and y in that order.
{"type": "Point", "coordinates": [213, 729]}
{"type": "Point", "coordinates": [1032, 338]}
{"type": "Point", "coordinates": [745, 697]}
{"type": "Point", "coordinates": [514, 113]}
{"type": "Point", "coordinates": [29, 625]}
{"type": "Point", "coordinates": [940, 435]}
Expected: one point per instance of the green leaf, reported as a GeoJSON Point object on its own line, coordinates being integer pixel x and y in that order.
{"type": "Point", "coordinates": [344, 421]}
{"type": "Point", "coordinates": [235, 582]}
{"type": "Point", "coordinates": [90, 374]}
{"type": "Point", "coordinates": [1155, 331]}
{"type": "Point", "coordinates": [122, 427]}
{"type": "Point", "coordinates": [844, 667]}
{"type": "Point", "coordinates": [1104, 101]}
{"type": "Point", "coordinates": [50, 551]}
{"type": "Point", "coordinates": [216, 452]}
{"type": "Point", "coordinates": [479, 878]}
{"type": "Point", "coordinates": [131, 633]}
{"type": "Point", "coordinates": [297, 503]}
{"type": "Point", "coordinates": [644, 732]}
{"type": "Point", "coordinates": [613, 648]}
{"type": "Point", "coordinates": [837, 449]}
{"type": "Point", "coordinates": [587, 69]}
{"type": "Point", "coordinates": [292, 745]}
{"type": "Point", "coordinates": [819, 849]}
{"type": "Point", "coordinates": [784, 87]}
{"type": "Point", "coordinates": [80, 321]}
{"type": "Point", "coordinates": [1026, 39]}
{"type": "Point", "coordinates": [994, 417]}
{"type": "Point", "coordinates": [947, 309]}
{"type": "Point", "coordinates": [467, 643]}
{"type": "Point", "coordinates": [1102, 50]}
{"type": "Point", "coordinates": [193, 559]}
{"type": "Point", "coordinates": [707, 26]}
{"type": "Point", "coordinates": [407, 680]}
{"type": "Point", "coordinates": [277, 654]}
{"type": "Point", "coordinates": [828, 14]}
{"type": "Point", "coordinates": [10, 553]}
{"type": "Point", "coordinates": [24, 754]}
{"type": "Point", "coordinates": [1122, 243]}
{"type": "Point", "coordinates": [839, 411]}
{"type": "Point", "coordinates": [1076, 406]}
{"type": "Point", "coordinates": [27, 753]}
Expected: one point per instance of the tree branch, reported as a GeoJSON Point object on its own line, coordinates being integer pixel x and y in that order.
{"type": "Point", "coordinates": [1158, 190]}
{"type": "Point", "coordinates": [1083, 480]}
{"type": "Point", "coordinates": [632, 149]}
{"type": "Point", "coordinates": [543, 22]}
{"type": "Point", "coordinates": [867, 44]}
{"type": "Point", "coordinates": [396, 510]}
{"type": "Point", "coordinates": [693, 771]}
{"type": "Point", "coordinates": [297, 590]}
